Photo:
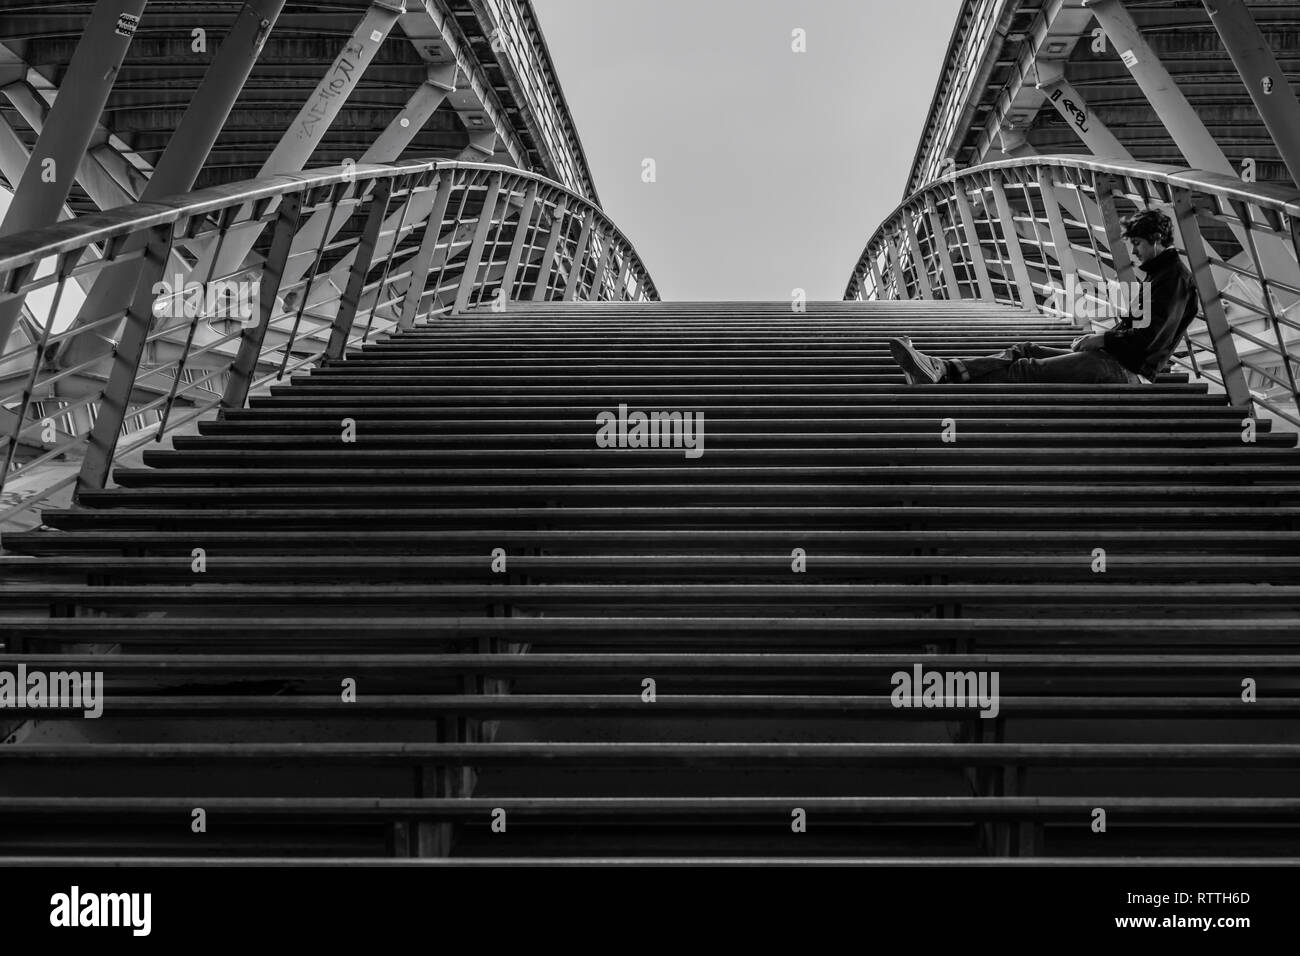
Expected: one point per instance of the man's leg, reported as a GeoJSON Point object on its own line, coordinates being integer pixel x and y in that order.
{"type": "Point", "coordinates": [992, 368]}
{"type": "Point", "coordinates": [1024, 362]}
{"type": "Point", "coordinates": [1028, 362]}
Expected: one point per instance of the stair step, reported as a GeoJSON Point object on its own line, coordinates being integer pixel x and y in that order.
{"type": "Point", "coordinates": [374, 561]}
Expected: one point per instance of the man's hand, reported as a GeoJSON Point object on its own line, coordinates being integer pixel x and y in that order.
{"type": "Point", "coordinates": [1088, 343]}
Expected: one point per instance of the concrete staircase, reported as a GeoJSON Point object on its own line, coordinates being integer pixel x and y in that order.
{"type": "Point", "coordinates": [459, 629]}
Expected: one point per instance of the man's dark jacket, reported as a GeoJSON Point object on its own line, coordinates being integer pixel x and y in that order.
{"type": "Point", "coordinates": [1173, 306]}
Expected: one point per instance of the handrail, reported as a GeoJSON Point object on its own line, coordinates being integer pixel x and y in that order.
{"type": "Point", "coordinates": [340, 255]}
{"type": "Point", "coordinates": [1020, 231]}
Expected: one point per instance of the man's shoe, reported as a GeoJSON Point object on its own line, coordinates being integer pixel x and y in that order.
{"type": "Point", "coordinates": [918, 368]}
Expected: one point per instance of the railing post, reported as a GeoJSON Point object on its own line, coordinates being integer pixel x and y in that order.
{"type": "Point", "coordinates": [975, 250]}
{"type": "Point", "coordinates": [361, 266]}
{"type": "Point", "coordinates": [481, 229]}
{"type": "Point", "coordinates": [579, 254]}
{"type": "Point", "coordinates": [420, 265]}
{"type": "Point", "coordinates": [251, 339]}
{"type": "Point", "coordinates": [126, 364]}
{"type": "Point", "coordinates": [1216, 319]}
{"type": "Point", "coordinates": [1028, 300]}
{"type": "Point", "coordinates": [552, 243]}
{"type": "Point", "coordinates": [517, 246]}
{"type": "Point", "coordinates": [918, 260]}
{"type": "Point", "coordinates": [939, 239]}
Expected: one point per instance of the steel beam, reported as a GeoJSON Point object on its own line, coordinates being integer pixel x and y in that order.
{"type": "Point", "coordinates": [438, 41]}
{"type": "Point", "coordinates": [1265, 80]}
{"type": "Point", "coordinates": [975, 250]}
{"type": "Point", "coordinates": [896, 266]}
{"type": "Point", "coordinates": [1171, 107]}
{"type": "Point", "coordinates": [108, 179]}
{"type": "Point", "coordinates": [1107, 187]}
{"type": "Point", "coordinates": [517, 246]}
{"type": "Point", "coordinates": [602, 260]}
{"type": "Point", "coordinates": [310, 125]}
{"type": "Point", "coordinates": [939, 239]}
{"type": "Point", "coordinates": [918, 260]}
{"type": "Point", "coordinates": [423, 260]}
{"type": "Point", "coordinates": [126, 365]}
{"type": "Point", "coordinates": [1070, 104]}
{"type": "Point", "coordinates": [72, 121]}
{"type": "Point", "coordinates": [364, 260]}
{"type": "Point", "coordinates": [579, 255]}
{"type": "Point", "coordinates": [620, 278]}
{"type": "Point", "coordinates": [481, 230]}
{"type": "Point", "coordinates": [251, 339]}
{"type": "Point", "coordinates": [558, 224]}
{"type": "Point", "coordinates": [1064, 253]}
{"type": "Point", "coordinates": [1216, 319]}
{"type": "Point", "coordinates": [876, 277]}
{"type": "Point", "coordinates": [180, 164]}
{"type": "Point", "coordinates": [386, 148]}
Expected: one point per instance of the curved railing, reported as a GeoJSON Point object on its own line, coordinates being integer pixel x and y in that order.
{"type": "Point", "coordinates": [167, 333]}
{"type": "Point", "coordinates": [1024, 231]}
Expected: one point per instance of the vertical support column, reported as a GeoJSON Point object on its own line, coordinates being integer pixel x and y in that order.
{"type": "Point", "coordinates": [1012, 238]}
{"type": "Point", "coordinates": [360, 267]}
{"type": "Point", "coordinates": [423, 260]}
{"type": "Point", "coordinates": [940, 240]}
{"type": "Point", "coordinates": [517, 246]}
{"type": "Point", "coordinates": [251, 339]}
{"type": "Point", "coordinates": [1216, 319]}
{"type": "Point", "coordinates": [126, 364]}
{"type": "Point", "coordinates": [552, 243]}
{"type": "Point", "coordinates": [470, 274]}
{"type": "Point", "coordinates": [579, 254]}
{"type": "Point", "coordinates": [918, 260]}
{"type": "Point", "coordinates": [896, 267]}
{"type": "Point", "coordinates": [976, 251]}
{"type": "Point", "coordinates": [1266, 82]}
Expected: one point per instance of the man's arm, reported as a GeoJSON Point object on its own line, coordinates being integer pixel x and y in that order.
{"type": "Point", "coordinates": [1088, 343]}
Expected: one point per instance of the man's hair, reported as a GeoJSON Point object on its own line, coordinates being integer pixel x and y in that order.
{"type": "Point", "coordinates": [1151, 225]}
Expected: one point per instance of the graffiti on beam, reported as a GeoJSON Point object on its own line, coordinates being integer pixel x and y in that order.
{"type": "Point", "coordinates": [335, 85]}
{"type": "Point", "coordinates": [1076, 114]}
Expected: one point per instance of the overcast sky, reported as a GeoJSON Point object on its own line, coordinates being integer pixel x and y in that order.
{"type": "Point", "coordinates": [773, 167]}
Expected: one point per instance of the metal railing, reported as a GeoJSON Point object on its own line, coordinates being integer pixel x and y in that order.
{"type": "Point", "coordinates": [342, 255]}
{"type": "Point", "coordinates": [1020, 231]}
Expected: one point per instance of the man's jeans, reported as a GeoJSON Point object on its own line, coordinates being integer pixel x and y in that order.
{"type": "Point", "coordinates": [1028, 362]}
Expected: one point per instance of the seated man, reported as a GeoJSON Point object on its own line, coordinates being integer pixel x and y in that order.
{"type": "Point", "coordinates": [1123, 354]}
